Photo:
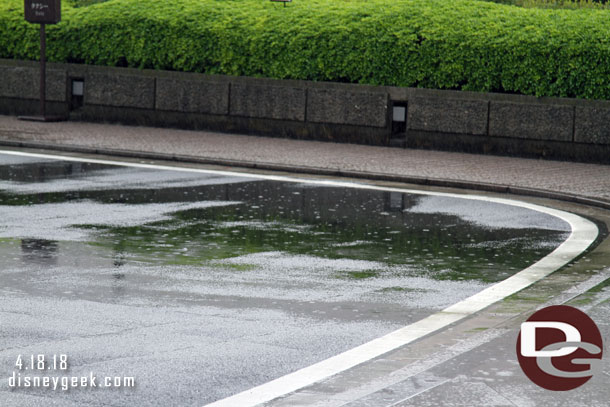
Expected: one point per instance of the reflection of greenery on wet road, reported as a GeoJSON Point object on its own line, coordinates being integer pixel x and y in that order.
{"type": "Point", "coordinates": [333, 223]}
{"type": "Point", "coordinates": [197, 237]}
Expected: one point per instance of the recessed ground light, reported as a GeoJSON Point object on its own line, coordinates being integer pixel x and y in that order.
{"type": "Point", "coordinates": [78, 86]}
{"type": "Point", "coordinates": [399, 114]}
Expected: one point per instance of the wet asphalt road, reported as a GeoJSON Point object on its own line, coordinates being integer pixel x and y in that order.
{"type": "Point", "coordinates": [202, 286]}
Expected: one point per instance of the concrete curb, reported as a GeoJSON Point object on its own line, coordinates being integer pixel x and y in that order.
{"type": "Point", "coordinates": [437, 182]}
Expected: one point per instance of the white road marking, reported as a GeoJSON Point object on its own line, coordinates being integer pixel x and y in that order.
{"type": "Point", "coordinates": [584, 232]}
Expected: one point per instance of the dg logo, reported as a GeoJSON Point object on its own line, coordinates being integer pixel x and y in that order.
{"type": "Point", "coordinates": [559, 348]}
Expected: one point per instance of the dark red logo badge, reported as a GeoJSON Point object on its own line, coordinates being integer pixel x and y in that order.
{"type": "Point", "coordinates": [559, 348]}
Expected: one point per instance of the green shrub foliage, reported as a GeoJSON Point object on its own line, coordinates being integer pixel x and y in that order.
{"type": "Point", "coordinates": [445, 44]}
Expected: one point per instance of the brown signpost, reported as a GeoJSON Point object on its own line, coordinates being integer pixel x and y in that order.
{"type": "Point", "coordinates": [42, 12]}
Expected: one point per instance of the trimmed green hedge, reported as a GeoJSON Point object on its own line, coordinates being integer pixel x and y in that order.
{"type": "Point", "coordinates": [446, 44]}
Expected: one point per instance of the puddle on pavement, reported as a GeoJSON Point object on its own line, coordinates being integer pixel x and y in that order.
{"type": "Point", "coordinates": [142, 217]}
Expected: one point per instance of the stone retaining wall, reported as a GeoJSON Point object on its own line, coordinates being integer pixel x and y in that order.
{"type": "Point", "coordinates": [465, 121]}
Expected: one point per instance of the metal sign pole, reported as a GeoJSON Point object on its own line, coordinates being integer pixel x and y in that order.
{"type": "Point", "coordinates": [43, 12]}
{"type": "Point", "coordinates": [43, 70]}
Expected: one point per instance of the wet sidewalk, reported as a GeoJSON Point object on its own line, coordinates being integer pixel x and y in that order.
{"type": "Point", "coordinates": [491, 173]}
